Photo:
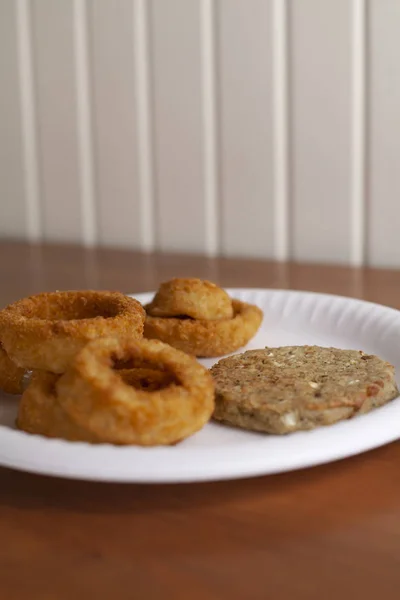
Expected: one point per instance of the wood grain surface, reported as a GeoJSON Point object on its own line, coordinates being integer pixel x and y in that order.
{"type": "Point", "coordinates": [326, 533]}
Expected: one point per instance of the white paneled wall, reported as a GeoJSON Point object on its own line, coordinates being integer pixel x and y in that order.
{"type": "Point", "coordinates": [246, 138]}
{"type": "Point", "coordinates": [54, 48]}
{"type": "Point", "coordinates": [176, 53]}
{"type": "Point", "coordinates": [320, 84]}
{"type": "Point", "coordinates": [114, 102]}
{"type": "Point", "coordinates": [383, 172]}
{"type": "Point", "coordinates": [13, 219]}
{"type": "Point", "coordinates": [266, 128]}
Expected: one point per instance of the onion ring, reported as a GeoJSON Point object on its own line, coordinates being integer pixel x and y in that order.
{"type": "Point", "coordinates": [98, 400]}
{"type": "Point", "coordinates": [45, 331]}
{"type": "Point", "coordinates": [207, 338]}
{"type": "Point", "coordinates": [193, 298]}
{"type": "Point", "coordinates": [11, 376]}
{"type": "Point", "coordinates": [40, 413]}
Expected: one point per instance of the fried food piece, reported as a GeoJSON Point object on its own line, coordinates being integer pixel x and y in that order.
{"type": "Point", "coordinates": [192, 298]}
{"type": "Point", "coordinates": [96, 398]}
{"type": "Point", "coordinates": [281, 390]}
{"type": "Point", "coordinates": [11, 376]}
{"type": "Point", "coordinates": [46, 331]}
{"type": "Point", "coordinates": [39, 412]}
{"type": "Point", "coordinates": [204, 338]}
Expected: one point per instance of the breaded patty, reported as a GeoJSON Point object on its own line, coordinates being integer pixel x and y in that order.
{"type": "Point", "coordinates": [280, 390]}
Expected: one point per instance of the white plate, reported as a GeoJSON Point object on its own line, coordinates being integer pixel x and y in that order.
{"type": "Point", "coordinates": [219, 452]}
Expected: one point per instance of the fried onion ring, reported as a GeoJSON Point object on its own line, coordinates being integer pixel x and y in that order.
{"type": "Point", "coordinates": [11, 376]}
{"type": "Point", "coordinates": [40, 413]}
{"type": "Point", "coordinates": [45, 331]}
{"type": "Point", "coordinates": [193, 298]}
{"type": "Point", "coordinates": [204, 338]}
{"type": "Point", "coordinates": [96, 398]}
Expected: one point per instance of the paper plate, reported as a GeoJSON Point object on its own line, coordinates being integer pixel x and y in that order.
{"type": "Point", "coordinates": [220, 452]}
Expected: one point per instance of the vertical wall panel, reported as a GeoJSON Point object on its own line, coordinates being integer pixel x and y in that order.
{"type": "Point", "coordinates": [384, 151]}
{"type": "Point", "coordinates": [12, 207]}
{"type": "Point", "coordinates": [53, 41]}
{"type": "Point", "coordinates": [115, 104]}
{"type": "Point", "coordinates": [320, 57]}
{"type": "Point", "coordinates": [144, 124]}
{"type": "Point", "coordinates": [359, 123]}
{"type": "Point", "coordinates": [177, 77]}
{"type": "Point", "coordinates": [245, 35]}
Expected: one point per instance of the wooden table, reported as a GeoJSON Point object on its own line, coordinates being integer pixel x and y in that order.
{"type": "Point", "coordinates": [325, 533]}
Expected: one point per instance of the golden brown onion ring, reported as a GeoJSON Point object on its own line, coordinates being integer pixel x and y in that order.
{"type": "Point", "coordinates": [96, 398]}
{"type": "Point", "coordinates": [40, 413]}
{"type": "Point", "coordinates": [45, 331]}
{"type": "Point", "coordinates": [193, 298]}
{"type": "Point", "coordinates": [207, 338]}
{"type": "Point", "coordinates": [11, 376]}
